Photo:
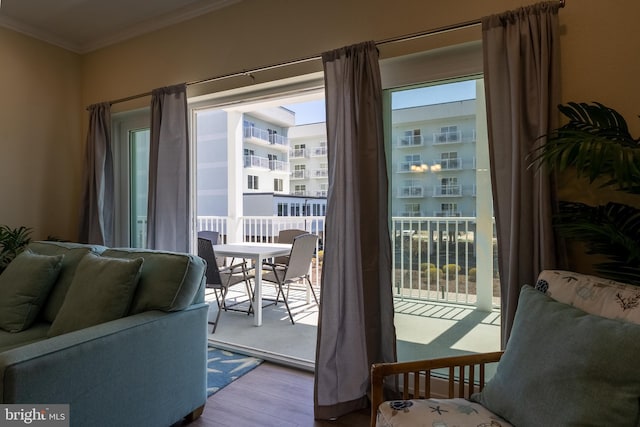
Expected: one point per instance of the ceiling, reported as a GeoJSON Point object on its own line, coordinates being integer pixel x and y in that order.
{"type": "Point", "coordinates": [85, 25]}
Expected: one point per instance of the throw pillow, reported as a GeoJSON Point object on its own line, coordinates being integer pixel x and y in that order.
{"type": "Point", "coordinates": [24, 287]}
{"type": "Point", "coordinates": [101, 290]}
{"type": "Point", "coordinates": [565, 367]}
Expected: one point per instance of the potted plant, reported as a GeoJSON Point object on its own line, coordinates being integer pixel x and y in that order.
{"type": "Point", "coordinates": [12, 242]}
{"type": "Point", "coordinates": [596, 143]}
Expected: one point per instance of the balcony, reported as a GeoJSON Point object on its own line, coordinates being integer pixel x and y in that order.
{"type": "Point", "coordinates": [319, 152]}
{"type": "Point", "coordinates": [411, 167]}
{"type": "Point", "coordinates": [447, 214]}
{"type": "Point", "coordinates": [411, 192]}
{"type": "Point", "coordinates": [320, 173]}
{"type": "Point", "coordinates": [447, 191]}
{"type": "Point", "coordinates": [409, 141]}
{"type": "Point", "coordinates": [300, 174]}
{"type": "Point", "coordinates": [449, 164]}
{"type": "Point", "coordinates": [321, 193]}
{"type": "Point", "coordinates": [263, 136]}
{"type": "Point", "coordinates": [258, 162]}
{"type": "Point", "coordinates": [439, 311]}
{"type": "Point", "coordinates": [298, 153]}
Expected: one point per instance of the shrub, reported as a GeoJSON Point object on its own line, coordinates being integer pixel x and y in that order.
{"type": "Point", "coordinates": [451, 269]}
{"type": "Point", "coordinates": [432, 271]}
{"type": "Point", "coordinates": [471, 275]}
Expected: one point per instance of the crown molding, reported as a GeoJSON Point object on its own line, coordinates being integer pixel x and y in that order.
{"type": "Point", "coordinates": [158, 22]}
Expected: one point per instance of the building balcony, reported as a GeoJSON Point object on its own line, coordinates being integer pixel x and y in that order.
{"type": "Point", "coordinates": [458, 137]}
{"type": "Point", "coordinates": [447, 214]}
{"type": "Point", "coordinates": [410, 192]}
{"type": "Point", "coordinates": [447, 191]}
{"type": "Point", "coordinates": [321, 193]}
{"type": "Point", "coordinates": [263, 136]}
{"type": "Point", "coordinates": [411, 167]}
{"type": "Point", "coordinates": [320, 173]}
{"type": "Point", "coordinates": [258, 162]}
{"type": "Point", "coordinates": [409, 141]}
{"type": "Point", "coordinates": [319, 152]}
{"type": "Point", "coordinates": [299, 174]}
{"type": "Point", "coordinates": [298, 153]}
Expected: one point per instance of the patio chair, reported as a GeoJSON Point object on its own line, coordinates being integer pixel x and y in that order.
{"type": "Point", "coordinates": [214, 236]}
{"type": "Point", "coordinates": [295, 269]}
{"type": "Point", "coordinates": [287, 236]}
{"type": "Point", "coordinates": [220, 279]}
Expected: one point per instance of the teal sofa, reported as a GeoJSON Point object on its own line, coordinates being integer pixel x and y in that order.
{"type": "Point", "coordinates": [118, 334]}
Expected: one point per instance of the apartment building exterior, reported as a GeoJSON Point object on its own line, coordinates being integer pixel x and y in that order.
{"type": "Point", "coordinates": [433, 160]}
{"type": "Point", "coordinates": [276, 178]}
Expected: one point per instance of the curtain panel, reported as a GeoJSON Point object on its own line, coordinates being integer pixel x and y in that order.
{"type": "Point", "coordinates": [521, 72]}
{"type": "Point", "coordinates": [355, 326]}
{"type": "Point", "coordinates": [97, 205]}
{"type": "Point", "coordinates": [168, 204]}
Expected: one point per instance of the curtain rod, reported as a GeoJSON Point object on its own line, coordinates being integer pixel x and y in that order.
{"type": "Point", "coordinates": [249, 73]}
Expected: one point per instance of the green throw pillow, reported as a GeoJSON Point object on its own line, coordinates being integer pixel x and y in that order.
{"type": "Point", "coordinates": [24, 287]}
{"type": "Point", "coordinates": [564, 367]}
{"type": "Point", "coordinates": [102, 290]}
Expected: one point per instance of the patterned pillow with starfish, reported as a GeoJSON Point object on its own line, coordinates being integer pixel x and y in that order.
{"type": "Point", "coordinates": [595, 295]}
{"type": "Point", "coordinates": [436, 413]}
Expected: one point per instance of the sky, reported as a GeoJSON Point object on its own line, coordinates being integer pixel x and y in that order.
{"type": "Point", "coordinates": [314, 111]}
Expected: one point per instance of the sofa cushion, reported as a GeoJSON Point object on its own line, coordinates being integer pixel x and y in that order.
{"type": "Point", "coordinates": [169, 281]}
{"type": "Point", "coordinates": [24, 286]}
{"type": "Point", "coordinates": [73, 253]}
{"type": "Point", "coordinates": [37, 332]}
{"type": "Point", "coordinates": [563, 366]}
{"type": "Point", "coordinates": [102, 290]}
{"type": "Point", "coordinates": [595, 295]}
{"type": "Point", "coordinates": [435, 412]}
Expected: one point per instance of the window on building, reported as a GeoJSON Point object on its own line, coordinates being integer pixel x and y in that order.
{"type": "Point", "coordinates": [300, 190]}
{"type": "Point", "coordinates": [295, 209]}
{"type": "Point", "coordinates": [278, 184]}
{"type": "Point", "coordinates": [448, 134]}
{"type": "Point", "coordinates": [252, 182]}
{"type": "Point", "coordinates": [449, 209]}
{"type": "Point", "coordinates": [283, 209]}
{"type": "Point", "coordinates": [449, 160]}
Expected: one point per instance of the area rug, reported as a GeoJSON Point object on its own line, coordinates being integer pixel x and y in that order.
{"type": "Point", "coordinates": [224, 367]}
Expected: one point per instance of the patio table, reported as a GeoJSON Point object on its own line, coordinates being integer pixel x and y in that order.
{"type": "Point", "coordinates": [258, 252]}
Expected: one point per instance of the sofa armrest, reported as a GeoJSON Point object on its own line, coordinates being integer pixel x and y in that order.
{"type": "Point", "coordinates": [412, 372]}
{"type": "Point", "coordinates": [145, 369]}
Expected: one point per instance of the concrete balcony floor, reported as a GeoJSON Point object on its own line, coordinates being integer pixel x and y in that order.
{"type": "Point", "coordinates": [423, 329]}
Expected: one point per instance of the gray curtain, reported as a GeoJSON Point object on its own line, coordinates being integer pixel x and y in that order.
{"type": "Point", "coordinates": [168, 206]}
{"type": "Point", "coordinates": [97, 207]}
{"type": "Point", "coordinates": [355, 327]}
{"type": "Point", "coordinates": [521, 72]}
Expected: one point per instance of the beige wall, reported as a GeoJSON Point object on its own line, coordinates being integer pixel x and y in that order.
{"type": "Point", "coordinates": [599, 63]}
{"type": "Point", "coordinates": [40, 128]}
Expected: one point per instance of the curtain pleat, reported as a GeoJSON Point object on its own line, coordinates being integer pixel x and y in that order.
{"type": "Point", "coordinates": [521, 72]}
{"type": "Point", "coordinates": [97, 206]}
{"type": "Point", "coordinates": [168, 204]}
{"type": "Point", "coordinates": [355, 327]}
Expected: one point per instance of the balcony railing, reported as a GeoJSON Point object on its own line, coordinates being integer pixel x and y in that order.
{"type": "Point", "coordinates": [319, 152]}
{"type": "Point", "coordinates": [447, 137]}
{"type": "Point", "coordinates": [279, 166]}
{"type": "Point", "coordinates": [300, 174]}
{"type": "Point", "coordinates": [251, 161]}
{"type": "Point", "coordinates": [412, 191]}
{"type": "Point", "coordinates": [409, 141]}
{"type": "Point", "coordinates": [320, 173]}
{"type": "Point", "coordinates": [266, 136]}
{"type": "Point", "coordinates": [298, 153]}
{"type": "Point", "coordinates": [433, 258]}
{"type": "Point", "coordinates": [447, 190]}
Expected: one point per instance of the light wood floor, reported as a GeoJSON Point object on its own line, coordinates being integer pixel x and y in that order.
{"type": "Point", "coordinates": [270, 395]}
